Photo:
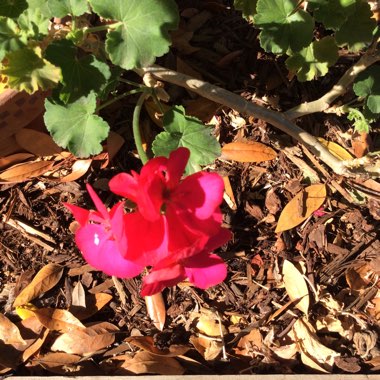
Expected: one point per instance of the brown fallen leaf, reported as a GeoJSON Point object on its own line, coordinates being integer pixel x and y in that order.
{"type": "Point", "coordinates": [38, 143]}
{"type": "Point", "coordinates": [249, 344]}
{"type": "Point", "coordinates": [154, 112]}
{"type": "Point", "coordinates": [94, 302]}
{"type": "Point", "coordinates": [145, 362]}
{"type": "Point", "coordinates": [146, 343]}
{"type": "Point", "coordinates": [155, 307]}
{"type": "Point", "coordinates": [55, 361]}
{"type": "Point", "coordinates": [58, 320]}
{"type": "Point", "coordinates": [13, 159]}
{"type": "Point", "coordinates": [202, 108]}
{"type": "Point", "coordinates": [78, 169]}
{"type": "Point", "coordinates": [301, 207]}
{"type": "Point", "coordinates": [229, 194]}
{"type": "Point", "coordinates": [296, 286]}
{"type": "Point", "coordinates": [209, 348]}
{"type": "Point", "coordinates": [313, 353]}
{"type": "Point", "coordinates": [25, 171]}
{"type": "Point", "coordinates": [9, 332]}
{"type": "Point", "coordinates": [45, 279]}
{"type": "Point", "coordinates": [86, 342]}
{"type": "Point", "coordinates": [247, 152]}
{"type": "Point", "coordinates": [208, 324]}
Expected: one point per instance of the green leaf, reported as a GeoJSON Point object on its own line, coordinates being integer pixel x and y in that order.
{"type": "Point", "coordinates": [182, 130]}
{"type": "Point", "coordinates": [28, 71]}
{"type": "Point", "coordinates": [248, 8]}
{"type": "Point", "coordinates": [62, 8]}
{"type": "Point", "coordinates": [283, 28]}
{"type": "Point", "coordinates": [41, 5]}
{"type": "Point", "coordinates": [11, 38]}
{"type": "Point", "coordinates": [80, 76]}
{"type": "Point", "coordinates": [356, 32]}
{"type": "Point", "coordinates": [12, 8]}
{"type": "Point", "coordinates": [33, 23]}
{"type": "Point", "coordinates": [332, 13]}
{"type": "Point", "coordinates": [360, 122]}
{"type": "Point", "coordinates": [367, 85]}
{"type": "Point", "coordinates": [75, 126]}
{"type": "Point", "coordinates": [142, 33]}
{"type": "Point", "coordinates": [315, 60]}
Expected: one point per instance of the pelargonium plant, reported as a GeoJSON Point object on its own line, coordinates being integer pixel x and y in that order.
{"type": "Point", "coordinates": [172, 231]}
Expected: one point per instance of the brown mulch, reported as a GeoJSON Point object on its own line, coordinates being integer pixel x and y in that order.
{"type": "Point", "coordinates": [337, 251]}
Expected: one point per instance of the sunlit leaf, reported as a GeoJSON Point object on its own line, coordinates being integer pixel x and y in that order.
{"type": "Point", "coordinates": [182, 130]}
{"type": "Point", "coordinates": [314, 61]}
{"type": "Point", "coordinates": [248, 152]}
{"type": "Point", "coordinates": [75, 126]}
{"type": "Point", "coordinates": [335, 149]}
{"type": "Point", "coordinates": [142, 33]}
{"type": "Point", "coordinates": [44, 280]}
{"type": "Point", "coordinates": [284, 27]}
{"type": "Point", "coordinates": [301, 207]}
{"type": "Point", "coordinates": [295, 286]}
{"type": "Point", "coordinates": [156, 310]}
{"type": "Point", "coordinates": [9, 332]}
{"type": "Point", "coordinates": [26, 70]}
{"type": "Point", "coordinates": [11, 37]}
{"type": "Point", "coordinates": [62, 8]}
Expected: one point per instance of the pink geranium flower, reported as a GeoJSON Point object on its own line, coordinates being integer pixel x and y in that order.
{"type": "Point", "coordinates": [101, 238]}
{"type": "Point", "coordinates": [174, 218]}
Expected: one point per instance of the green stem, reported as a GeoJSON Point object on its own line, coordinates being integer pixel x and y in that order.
{"type": "Point", "coordinates": [116, 98]}
{"type": "Point", "coordinates": [130, 82]}
{"type": "Point", "coordinates": [136, 128]}
{"type": "Point", "coordinates": [100, 28]}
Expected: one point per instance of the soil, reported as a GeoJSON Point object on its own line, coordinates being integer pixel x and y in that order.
{"type": "Point", "coordinates": [336, 249]}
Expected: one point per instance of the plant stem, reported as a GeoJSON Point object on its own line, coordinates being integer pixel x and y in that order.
{"type": "Point", "coordinates": [100, 28]}
{"type": "Point", "coordinates": [339, 89]}
{"type": "Point", "coordinates": [115, 99]}
{"type": "Point", "coordinates": [136, 128]}
{"type": "Point", "coordinates": [130, 82]}
{"type": "Point", "coordinates": [277, 119]}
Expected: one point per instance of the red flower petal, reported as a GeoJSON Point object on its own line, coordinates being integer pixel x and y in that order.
{"type": "Point", "coordinates": [176, 166]}
{"type": "Point", "coordinates": [80, 214]}
{"type": "Point", "coordinates": [125, 185]}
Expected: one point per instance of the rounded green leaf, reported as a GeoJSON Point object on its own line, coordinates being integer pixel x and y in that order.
{"type": "Point", "coordinates": [315, 60]}
{"type": "Point", "coordinates": [80, 76]}
{"type": "Point", "coordinates": [62, 8]}
{"type": "Point", "coordinates": [142, 33]}
{"type": "Point", "coordinates": [283, 27]}
{"type": "Point", "coordinates": [75, 126]}
{"type": "Point", "coordinates": [11, 38]}
{"type": "Point", "coordinates": [34, 23]}
{"type": "Point", "coordinates": [182, 130]}
{"type": "Point", "coordinates": [357, 30]}
{"type": "Point", "coordinates": [27, 71]}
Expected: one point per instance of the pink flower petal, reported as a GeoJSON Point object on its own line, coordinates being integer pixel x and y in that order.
{"type": "Point", "coordinates": [200, 193]}
{"type": "Point", "coordinates": [205, 270]}
{"type": "Point", "coordinates": [102, 253]}
{"type": "Point", "coordinates": [98, 203]}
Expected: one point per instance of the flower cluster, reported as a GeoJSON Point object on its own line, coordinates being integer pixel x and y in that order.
{"type": "Point", "coordinates": [173, 230]}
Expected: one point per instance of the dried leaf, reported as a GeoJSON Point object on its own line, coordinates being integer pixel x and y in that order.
{"type": "Point", "coordinates": [296, 286]}
{"type": "Point", "coordinates": [114, 144]}
{"type": "Point", "coordinates": [52, 360]}
{"type": "Point", "coordinates": [154, 112]}
{"type": "Point", "coordinates": [6, 162]}
{"type": "Point", "coordinates": [44, 280]}
{"type": "Point", "coordinates": [248, 152]}
{"type": "Point", "coordinates": [88, 341]}
{"type": "Point", "coordinates": [94, 302]}
{"type": "Point", "coordinates": [209, 325]}
{"type": "Point", "coordinates": [58, 320]}
{"type": "Point", "coordinates": [9, 332]}
{"type": "Point", "coordinates": [146, 343]}
{"type": "Point", "coordinates": [229, 194]}
{"type": "Point", "coordinates": [209, 348]}
{"type": "Point", "coordinates": [301, 207]}
{"type": "Point", "coordinates": [155, 307]}
{"type": "Point", "coordinates": [313, 353]}
{"type": "Point", "coordinates": [250, 343]}
{"type": "Point", "coordinates": [145, 362]}
{"type": "Point", "coordinates": [25, 171]}
{"type": "Point", "coordinates": [335, 149]}
{"type": "Point", "coordinates": [38, 143]}
{"type": "Point", "coordinates": [202, 108]}
{"type": "Point", "coordinates": [78, 169]}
